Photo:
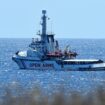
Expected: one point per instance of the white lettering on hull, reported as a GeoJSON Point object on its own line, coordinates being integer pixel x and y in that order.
{"type": "Point", "coordinates": [37, 65]}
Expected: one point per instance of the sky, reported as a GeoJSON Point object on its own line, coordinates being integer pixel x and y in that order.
{"type": "Point", "coordinates": [68, 18]}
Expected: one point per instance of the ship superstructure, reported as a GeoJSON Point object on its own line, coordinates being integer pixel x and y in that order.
{"type": "Point", "coordinates": [44, 53]}
{"type": "Point", "coordinates": [47, 46]}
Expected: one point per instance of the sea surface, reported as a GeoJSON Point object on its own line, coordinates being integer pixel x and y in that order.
{"type": "Point", "coordinates": [50, 81]}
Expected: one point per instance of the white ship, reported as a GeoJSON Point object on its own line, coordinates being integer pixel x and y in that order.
{"type": "Point", "coordinates": [45, 54]}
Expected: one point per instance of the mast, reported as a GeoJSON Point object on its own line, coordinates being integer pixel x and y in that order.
{"type": "Point", "coordinates": [44, 36]}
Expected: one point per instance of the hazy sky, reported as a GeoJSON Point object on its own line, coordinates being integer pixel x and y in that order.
{"type": "Point", "coordinates": [69, 18]}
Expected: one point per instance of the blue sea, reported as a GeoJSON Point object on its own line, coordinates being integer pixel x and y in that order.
{"type": "Point", "coordinates": [50, 81]}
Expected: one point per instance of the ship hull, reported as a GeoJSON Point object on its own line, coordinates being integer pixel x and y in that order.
{"type": "Point", "coordinates": [33, 64]}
